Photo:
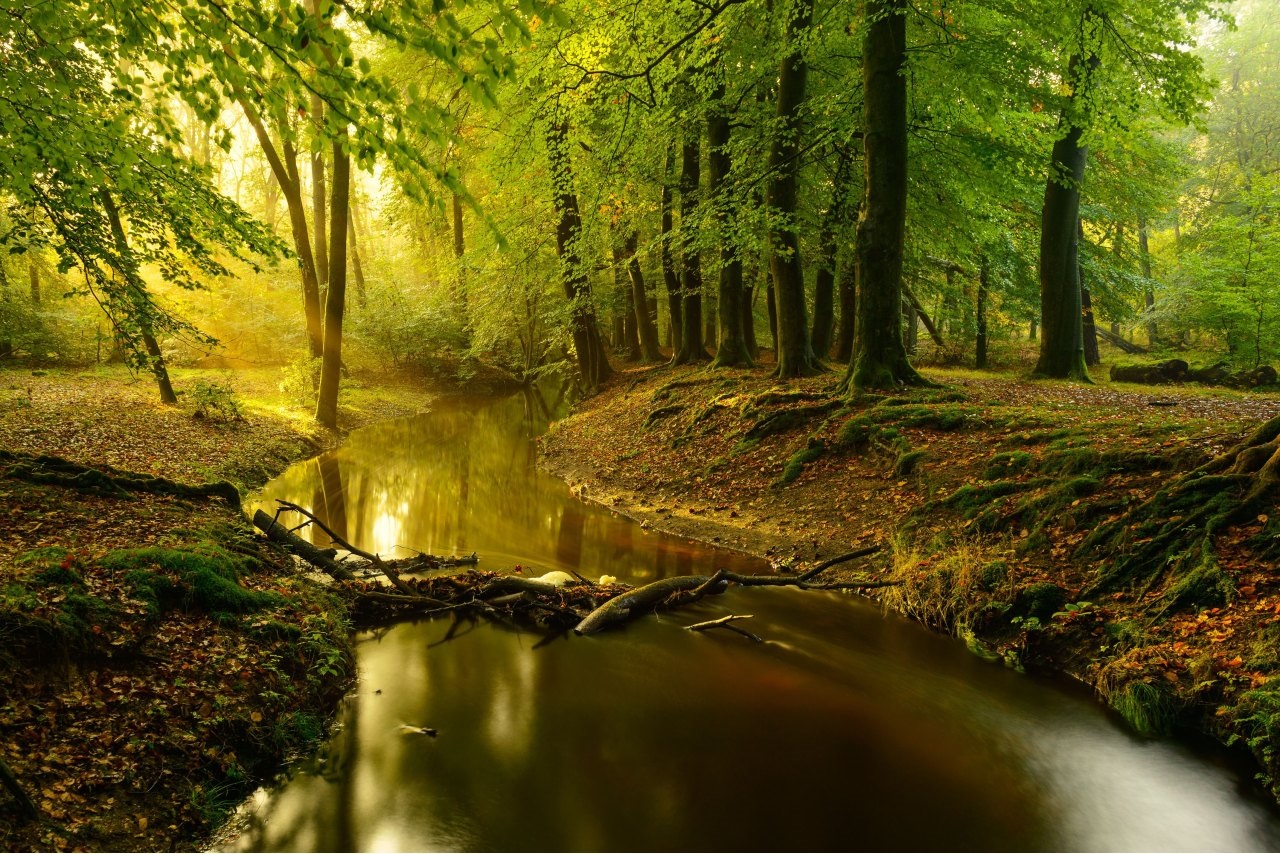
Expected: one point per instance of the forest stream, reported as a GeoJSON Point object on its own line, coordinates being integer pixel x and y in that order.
{"type": "Point", "coordinates": [846, 729]}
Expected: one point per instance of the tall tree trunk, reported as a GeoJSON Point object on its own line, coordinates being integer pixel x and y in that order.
{"type": "Point", "coordinates": [646, 327]}
{"type": "Point", "coordinates": [628, 337]}
{"type": "Point", "coordinates": [284, 165]}
{"type": "Point", "coordinates": [794, 349]}
{"type": "Point", "coordinates": [1088, 330]}
{"type": "Point", "coordinates": [847, 291]}
{"type": "Point", "coordinates": [1061, 333]}
{"type": "Point", "coordinates": [6, 344]}
{"type": "Point", "coordinates": [593, 364]}
{"type": "Point", "coordinates": [335, 299]}
{"type": "Point", "coordinates": [357, 266]}
{"type": "Point", "coordinates": [459, 254]}
{"type": "Point", "coordinates": [1149, 296]}
{"type": "Point", "coordinates": [691, 349]}
{"type": "Point", "coordinates": [732, 345]}
{"type": "Point", "coordinates": [879, 357]}
{"type": "Point", "coordinates": [670, 277]}
{"type": "Point", "coordinates": [833, 221]}
{"type": "Point", "coordinates": [980, 339]}
{"type": "Point", "coordinates": [141, 300]}
{"type": "Point", "coordinates": [33, 276]}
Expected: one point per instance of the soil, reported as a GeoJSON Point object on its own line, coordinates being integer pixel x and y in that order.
{"type": "Point", "coordinates": [982, 492]}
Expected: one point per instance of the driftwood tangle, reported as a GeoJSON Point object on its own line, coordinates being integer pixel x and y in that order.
{"type": "Point", "coordinates": [555, 608]}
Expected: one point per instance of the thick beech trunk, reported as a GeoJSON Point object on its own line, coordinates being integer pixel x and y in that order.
{"type": "Point", "coordinates": [794, 349]}
{"type": "Point", "coordinates": [1061, 327]}
{"type": "Point", "coordinates": [593, 364]}
{"type": "Point", "coordinates": [879, 357]}
{"type": "Point", "coordinates": [335, 299]}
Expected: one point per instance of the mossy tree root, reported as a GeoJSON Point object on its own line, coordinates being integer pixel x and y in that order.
{"type": "Point", "coordinates": [56, 471]}
{"type": "Point", "coordinates": [1173, 532]}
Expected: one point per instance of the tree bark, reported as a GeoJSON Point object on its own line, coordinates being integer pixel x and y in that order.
{"type": "Point", "coordinates": [691, 348]}
{"type": "Point", "coordinates": [794, 349]}
{"type": "Point", "coordinates": [33, 275]}
{"type": "Point", "coordinates": [731, 351]}
{"type": "Point", "coordinates": [335, 299]}
{"type": "Point", "coordinates": [833, 223]}
{"type": "Point", "coordinates": [980, 339]}
{"type": "Point", "coordinates": [357, 266]}
{"type": "Point", "coordinates": [593, 364]}
{"type": "Point", "coordinates": [459, 253]}
{"type": "Point", "coordinates": [646, 328]}
{"type": "Point", "coordinates": [141, 299]}
{"type": "Point", "coordinates": [1149, 296]}
{"type": "Point", "coordinates": [1061, 327]}
{"type": "Point", "coordinates": [630, 340]}
{"type": "Point", "coordinates": [879, 357]}
{"type": "Point", "coordinates": [670, 277]}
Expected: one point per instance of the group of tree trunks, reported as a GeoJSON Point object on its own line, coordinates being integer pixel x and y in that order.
{"type": "Point", "coordinates": [1178, 371]}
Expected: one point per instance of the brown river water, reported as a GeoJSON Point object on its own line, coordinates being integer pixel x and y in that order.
{"type": "Point", "coordinates": [846, 730]}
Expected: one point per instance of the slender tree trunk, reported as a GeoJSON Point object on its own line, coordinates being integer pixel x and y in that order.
{"type": "Point", "coordinates": [794, 349]}
{"type": "Point", "coordinates": [984, 286]}
{"type": "Point", "coordinates": [1061, 311]}
{"type": "Point", "coordinates": [749, 342]}
{"type": "Point", "coordinates": [357, 267]}
{"type": "Point", "coordinates": [6, 344]}
{"type": "Point", "coordinates": [140, 298]}
{"type": "Point", "coordinates": [771, 307]}
{"type": "Point", "coordinates": [879, 356]}
{"type": "Point", "coordinates": [732, 345]}
{"type": "Point", "coordinates": [670, 277]}
{"type": "Point", "coordinates": [629, 339]}
{"type": "Point", "coordinates": [459, 254]}
{"type": "Point", "coordinates": [1089, 330]}
{"type": "Point", "coordinates": [335, 299]}
{"type": "Point", "coordinates": [33, 276]}
{"type": "Point", "coordinates": [847, 291]}
{"type": "Point", "coordinates": [646, 327]}
{"type": "Point", "coordinates": [284, 165]}
{"type": "Point", "coordinates": [593, 364]}
{"type": "Point", "coordinates": [318, 192]}
{"type": "Point", "coordinates": [1149, 296]}
{"type": "Point", "coordinates": [691, 348]}
{"type": "Point", "coordinates": [1031, 331]}
{"type": "Point", "coordinates": [833, 222]}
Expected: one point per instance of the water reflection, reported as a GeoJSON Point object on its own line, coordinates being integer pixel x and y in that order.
{"type": "Point", "coordinates": [847, 730]}
{"type": "Point", "coordinates": [465, 479]}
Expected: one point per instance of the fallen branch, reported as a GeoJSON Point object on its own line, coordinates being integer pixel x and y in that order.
{"type": "Point", "coordinates": [725, 623]}
{"type": "Point", "coordinates": [322, 559]}
{"type": "Point", "coordinates": [107, 481]}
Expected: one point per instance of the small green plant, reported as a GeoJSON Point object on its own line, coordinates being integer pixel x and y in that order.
{"type": "Point", "coordinates": [299, 380]}
{"type": "Point", "coordinates": [215, 401]}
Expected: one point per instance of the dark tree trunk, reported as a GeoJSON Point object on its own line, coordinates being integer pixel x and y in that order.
{"type": "Point", "coordinates": [1089, 330]}
{"type": "Point", "coordinates": [794, 349]}
{"type": "Point", "coordinates": [33, 275]}
{"type": "Point", "coordinates": [833, 225]}
{"type": "Point", "coordinates": [593, 364]}
{"type": "Point", "coordinates": [731, 351]}
{"type": "Point", "coordinates": [1062, 334]}
{"type": "Point", "coordinates": [749, 342]}
{"type": "Point", "coordinates": [980, 340]}
{"type": "Point", "coordinates": [630, 332]}
{"type": "Point", "coordinates": [318, 206]}
{"type": "Point", "coordinates": [691, 348]}
{"type": "Point", "coordinates": [670, 277]}
{"type": "Point", "coordinates": [1149, 296]}
{"type": "Point", "coordinates": [335, 298]}
{"type": "Point", "coordinates": [879, 357]}
{"type": "Point", "coordinates": [1031, 331]}
{"type": "Point", "coordinates": [141, 300]}
{"type": "Point", "coordinates": [910, 327]}
{"type": "Point", "coordinates": [847, 289]}
{"type": "Point", "coordinates": [771, 306]}
{"type": "Point", "coordinates": [645, 309]}
{"type": "Point", "coordinates": [459, 256]}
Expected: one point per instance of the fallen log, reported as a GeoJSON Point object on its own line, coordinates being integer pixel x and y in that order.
{"type": "Point", "coordinates": [1169, 371]}
{"type": "Point", "coordinates": [25, 805]}
{"type": "Point", "coordinates": [1118, 342]}
{"type": "Point", "coordinates": [322, 559]}
{"type": "Point", "coordinates": [620, 608]}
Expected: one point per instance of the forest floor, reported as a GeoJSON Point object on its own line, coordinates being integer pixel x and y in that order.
{"type": "Point", "coordinates": [982, 492]}
{"type": "Point", "coordinates": [156, 661]}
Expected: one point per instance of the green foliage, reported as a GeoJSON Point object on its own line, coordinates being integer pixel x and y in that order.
{"type": "Point", "coordinates": [299, 380]}
{"type": "Point", "coordinates": [215, 401]}
{"type": "Point", "coordinates": [794, 466]}
{"type": "Point", "coordinates": [1150, 709]}
{"type": "Point", "coordinates": [1007, 463]}
{"type": "Point", "coordinates": [1040, 601]}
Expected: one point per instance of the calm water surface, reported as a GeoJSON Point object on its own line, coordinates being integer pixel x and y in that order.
{"type": "Point", "coordinates": [846, 730]}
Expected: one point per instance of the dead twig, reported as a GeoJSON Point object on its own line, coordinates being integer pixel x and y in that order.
{"type": "Point", "coordinates": [725, 622]}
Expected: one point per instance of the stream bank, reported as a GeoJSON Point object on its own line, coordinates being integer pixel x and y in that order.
{"type": "Point", "coordinates": [983, 490]}
{"type": "Point", "coordinates": [158, 662]}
